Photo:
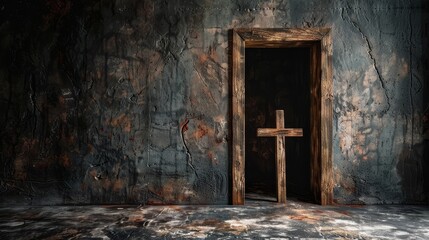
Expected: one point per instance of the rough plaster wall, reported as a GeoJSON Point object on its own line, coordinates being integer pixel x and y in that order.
{"type": "Point", "coordinates": [378, 82]}
{"type": "Point", "coordinates": [128, 101]}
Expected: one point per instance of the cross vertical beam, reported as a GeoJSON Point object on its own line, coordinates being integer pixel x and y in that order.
{"type": "Point", "coordinates": [280, 133]}
{"type": "Point", "coordinates": [280, 159]}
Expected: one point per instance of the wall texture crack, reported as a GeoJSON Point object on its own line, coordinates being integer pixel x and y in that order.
{"type": "Point", "coordinates": [206, 85]}
{"type": "Point", "coordinates": [374, 62]}
{"type": "Point", "coordinates": [183, 128]}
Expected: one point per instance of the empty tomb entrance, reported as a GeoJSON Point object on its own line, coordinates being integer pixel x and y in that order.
{"type": "Point", "coordinates": [289, 70]}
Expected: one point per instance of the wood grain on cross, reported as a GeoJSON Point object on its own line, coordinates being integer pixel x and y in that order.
{"type": "Point", "coordinates": [280, 132]}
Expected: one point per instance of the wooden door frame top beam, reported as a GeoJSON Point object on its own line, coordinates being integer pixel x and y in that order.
{"type": "Point", "coordinates": [321, 94]}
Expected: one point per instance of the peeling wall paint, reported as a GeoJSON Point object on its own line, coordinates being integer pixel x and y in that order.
{"type": "Point", "coordinates": [116, 101]}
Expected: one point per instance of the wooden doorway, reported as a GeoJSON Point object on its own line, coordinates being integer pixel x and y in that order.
{"type": "Point", "coordinates": [317, 43]}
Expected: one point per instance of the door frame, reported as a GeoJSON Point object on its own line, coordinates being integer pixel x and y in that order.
{"type": "Point", "coordinates": [321, 112]}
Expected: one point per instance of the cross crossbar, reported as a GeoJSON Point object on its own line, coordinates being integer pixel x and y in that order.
{"type": "Point", "coordinates": [283, 132]}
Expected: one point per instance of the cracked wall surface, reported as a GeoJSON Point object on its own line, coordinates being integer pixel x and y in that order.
{"type": "Point", "coordinates": [126, 101]}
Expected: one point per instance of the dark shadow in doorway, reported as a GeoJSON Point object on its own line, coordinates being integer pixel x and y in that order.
{"type": "Point", "coordinates": [277, 79]}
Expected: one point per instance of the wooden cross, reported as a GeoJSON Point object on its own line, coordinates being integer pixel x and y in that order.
{"type": "Point", "coordinates": [280, 133]}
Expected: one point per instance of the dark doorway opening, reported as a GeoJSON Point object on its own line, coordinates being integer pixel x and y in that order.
{"type": "Point", "coordinates": [277, 79]}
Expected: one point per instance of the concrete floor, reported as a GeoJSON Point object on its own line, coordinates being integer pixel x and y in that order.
{"type": "Point", "coordinates": [255, 220]}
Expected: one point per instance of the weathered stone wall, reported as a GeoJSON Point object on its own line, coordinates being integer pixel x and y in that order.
{"type": "Point", "coordinates": [127, 101]}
